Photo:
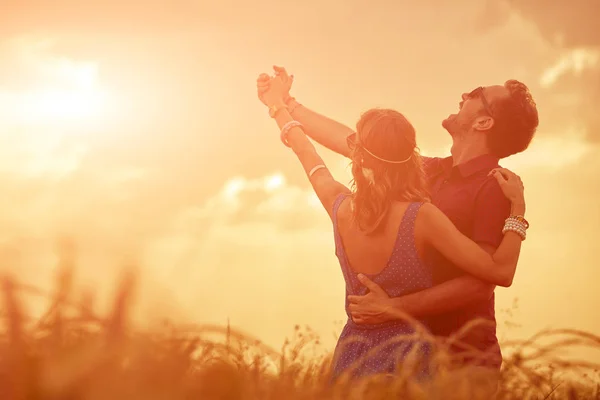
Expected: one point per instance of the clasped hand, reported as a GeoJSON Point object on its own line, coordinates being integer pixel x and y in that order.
{"type": "Point", "coordinates": [275, 89]}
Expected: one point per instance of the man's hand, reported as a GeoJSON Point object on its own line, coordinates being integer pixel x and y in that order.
{"type": "Point", "coordinates": [372, 308]}
{"type": "Point", "coordinates": [264, 80]}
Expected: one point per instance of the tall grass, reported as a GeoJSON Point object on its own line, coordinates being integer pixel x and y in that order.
{"type": "Point", "coordinates": [72, 353]}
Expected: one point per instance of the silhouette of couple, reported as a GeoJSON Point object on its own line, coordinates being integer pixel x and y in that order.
{"type": "Point", "coordinates": [417, 237]}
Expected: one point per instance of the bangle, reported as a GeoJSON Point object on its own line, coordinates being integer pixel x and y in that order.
{"type": "Point", "coordinates": [315, 169]}
{"type": "Point", "coordinates": [285, 130]}
{"type": "Point", "coordinates": [518, 231]}
{"type": "Point", "coordinates": [519, 218]}
{"type": "Point", "coordinates": [516, 226]}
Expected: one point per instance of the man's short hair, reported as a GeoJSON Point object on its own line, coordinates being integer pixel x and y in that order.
{"type": "Point", "coordinates": [515, 121]}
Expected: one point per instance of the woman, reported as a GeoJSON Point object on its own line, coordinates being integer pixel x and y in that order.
{"type": "Point", "coordinates": [384, 224]}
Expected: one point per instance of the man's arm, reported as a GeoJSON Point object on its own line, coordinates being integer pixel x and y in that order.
{"type": "Point", "coordinates": [322, 129]}
{"type": "Point", "coordinates": [376, 306]}
{"type": "Point", "coordinates": [445, 297]}
{"type": "Point", "coordinates": [327, 132]}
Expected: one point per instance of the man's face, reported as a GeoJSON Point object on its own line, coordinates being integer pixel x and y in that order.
{"type": "Point", "coordinates": [474, 110]}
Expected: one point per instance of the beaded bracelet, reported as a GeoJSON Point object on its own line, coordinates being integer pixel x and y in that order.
{"type": "Point", "coordinates": [514, 225]}
{"type": "Point", "coordinates": [518, 231]}
{"type": "Point", "coordinates": [519, 218]}
{"type": "Point", "coordinates": [515, 228]}
{"type": "Point", "coordinates": [285, 130]}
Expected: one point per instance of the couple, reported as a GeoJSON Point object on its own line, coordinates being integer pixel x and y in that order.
{"type": "Point", "coordinates": [429, 237]}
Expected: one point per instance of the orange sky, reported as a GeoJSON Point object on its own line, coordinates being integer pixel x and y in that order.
{"type": "Point", "coordinates": [135, 126]}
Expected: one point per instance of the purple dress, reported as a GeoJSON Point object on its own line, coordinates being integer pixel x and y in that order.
{"type": "Point", "coordinates": [403, 274]}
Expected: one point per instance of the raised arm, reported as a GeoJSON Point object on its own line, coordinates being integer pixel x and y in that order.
{"type": "Point", "coordinates": [323, 183]}
{"type": "Point", "coordinates": [498, 268]}
{"type": "Point", "coordinates": [322, 129]}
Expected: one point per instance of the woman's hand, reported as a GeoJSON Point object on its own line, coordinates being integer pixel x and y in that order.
{"type": "Point", "coordinates": [512, 187]}
{"type": "Point", "coordinates": [262, 86]}
{"type": "Point", "coordinates": [264, 81]}
{"type": "Point", "coordinates": [276, 92]}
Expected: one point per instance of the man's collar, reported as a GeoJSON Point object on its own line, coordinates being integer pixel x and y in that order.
{"type": "Point", "coordinates": [477, 164]}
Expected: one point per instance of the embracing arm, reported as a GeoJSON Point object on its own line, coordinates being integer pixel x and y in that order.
{"type": "Point", "coordinates": [483, 261]}
{"type": "Point", "coordinates": [445, 297]}
{"type": "Point", "coordinates": [498, 268]}
{"type": "Point", "coordinates": [490, 210]}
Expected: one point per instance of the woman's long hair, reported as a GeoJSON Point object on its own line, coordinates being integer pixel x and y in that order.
{"type": "Point", "coordinates": [384, 138]}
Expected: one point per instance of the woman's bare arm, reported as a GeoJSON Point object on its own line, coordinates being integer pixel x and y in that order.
{"type": "Point", "coordinates": [323, 183]}
{"type": "Point", "coordinates": [498, 268]}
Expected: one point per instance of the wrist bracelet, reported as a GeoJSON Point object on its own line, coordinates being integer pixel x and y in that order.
{"type": "Point", "coordinates": [514, 225]}
{"type": "Point", "coordinates": [520, 219]}
{"type": "Point", "coordinates": [315, 169]}
{"type": "Point", "coordinates": [285, 130]}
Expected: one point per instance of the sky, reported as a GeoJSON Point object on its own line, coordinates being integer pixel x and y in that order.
{"type": "Point", "coordinates": [134, 127]}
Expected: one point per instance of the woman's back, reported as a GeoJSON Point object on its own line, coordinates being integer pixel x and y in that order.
{"type": "Point", "coordinates": [389, 259]}
{"type": "Point", "coordinates": [392, 258]}
{"type": "Point", "coordinates": [370, 254]}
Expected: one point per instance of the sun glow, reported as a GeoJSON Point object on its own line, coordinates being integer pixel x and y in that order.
{"type": "Point", "coordinates": [72, 94]}
{"type": "Point", "coordinates": [63, 105]}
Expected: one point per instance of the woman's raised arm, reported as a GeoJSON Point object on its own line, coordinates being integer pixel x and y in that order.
{"type": "Point", "coordinates": [292, 134]}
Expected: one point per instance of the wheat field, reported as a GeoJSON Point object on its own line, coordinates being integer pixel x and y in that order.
{"type": "Point", "coordinates": [69, 352]}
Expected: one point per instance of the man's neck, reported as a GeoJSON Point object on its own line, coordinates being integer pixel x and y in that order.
{"type": "Point", "coordinates": [466, 152]}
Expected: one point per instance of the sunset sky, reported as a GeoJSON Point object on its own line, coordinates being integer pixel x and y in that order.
{"type": "Point", "coordinates": [134, 126]}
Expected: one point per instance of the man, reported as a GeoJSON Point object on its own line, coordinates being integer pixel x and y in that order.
{"type": "Point", "coordinates": [493, 122]}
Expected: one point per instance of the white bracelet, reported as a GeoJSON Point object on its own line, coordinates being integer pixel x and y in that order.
{"type": "Point", "coordinates": [286, 128]}
{"type": "Point", "coordinates": [516, 224]}
{"type": "Point", "coordinates": [518, 228]}
{"type": "Point", "coordinates": [315, 169]}
{"type": "Point", "coordinates": [519, 219]}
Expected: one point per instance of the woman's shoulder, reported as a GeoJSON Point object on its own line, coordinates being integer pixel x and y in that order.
{"type": "Point", "coordinates": [401, 204]}
{"type": "Point", "coordinates": [427, 210]}
{"type": "Point", "coordinates": [399, 209]}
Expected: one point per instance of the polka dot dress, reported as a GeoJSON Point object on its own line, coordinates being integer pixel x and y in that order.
{"type": "Point", "coordinates": [380, 348]}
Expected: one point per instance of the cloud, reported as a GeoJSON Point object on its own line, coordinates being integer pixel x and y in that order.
{"type": "Point", "coordinates": [570, 24]}
{"type": "Point", "coordinates": [262, 243]}
{"type": "Point", "coordinates": [574, 61]}
{"type": "Point", "coordinates": [552, 153]}
{"type": "Point", "coordinates": [569, 83]}
{"type": "Point", "coordinates": [268, 200]}
{"type": "Point", "coordinates": [565, 42]}
{"type": "Point", "coordinates": [572, 88]}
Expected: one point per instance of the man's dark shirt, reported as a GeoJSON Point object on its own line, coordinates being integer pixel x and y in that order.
{"type": "Point", "coordinates": [476, 205]}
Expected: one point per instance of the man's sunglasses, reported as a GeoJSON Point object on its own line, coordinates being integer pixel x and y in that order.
{"type": "Point", "coordinates": [478, 93]}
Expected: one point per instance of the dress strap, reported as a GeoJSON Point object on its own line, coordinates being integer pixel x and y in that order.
{"type": "Point", "coordinates": [336, 206]}
{"type": "Point", "coordinates": [340, 252]}
{"type": "Point", "coordinates": [407, 226]}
